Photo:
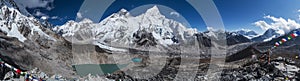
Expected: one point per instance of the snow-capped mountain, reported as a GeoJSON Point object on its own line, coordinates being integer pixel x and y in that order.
{"type": "Point", "coordinates": [247, 33]}
{"type": "Point", "coordinates": [27, 43]}
{"type": "Point", "coordinates": [122, 29]}
{"type": "Point", "coordinates": [14, 24]}
{"type": "Point", "coordinates": [267, 36]}
{"type": "Point", "coordinates": [234, 38]}
{"type": "Point", "coordinates": [14, 4]}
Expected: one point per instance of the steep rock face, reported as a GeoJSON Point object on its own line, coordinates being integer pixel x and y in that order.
{"type": "Point", "coordinates": [142, 38]}
{"type": "Point", "coordinates": [233, 38]}
{"type": "Point", "coordinates": [203, 40]}
{"type": "Point", "coordinates": [267, 36]}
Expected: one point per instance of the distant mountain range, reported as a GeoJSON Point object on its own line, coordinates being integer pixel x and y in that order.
{"type": "Point", "coordinates": [121, 29]}
{"type": "Point", "coordinates": [165, 31]}
{"type": "Point", "coordinates": [247, 33]}
{"type": "Point", "coordinates": [267, 36]}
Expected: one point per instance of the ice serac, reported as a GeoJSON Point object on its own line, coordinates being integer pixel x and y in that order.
{"type": "Point", "coordinates": [122, 29]}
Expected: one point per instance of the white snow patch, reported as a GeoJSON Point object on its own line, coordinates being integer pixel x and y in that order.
{"type": "Point", "coordinates": [268, 39]}
{"type": "Point", "coordinates": [109, 48]}
{"type": "Point", "coordinates": [251, 36]}
{"type": "Point", "coordinates": [15, 33]}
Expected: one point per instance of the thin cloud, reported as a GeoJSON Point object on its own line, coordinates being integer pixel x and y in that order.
{"type": "Point", "coordinates": [38, 13]}
{"type": "Point", "coordinates": [44, 17]}
{"type": "Point", "coordinates": [298, 15]}
{"type": "Point", "coordinates": [79, 15]}
{"type": "Point", "coordinates": [54, 17]}
{"type": "Point", "coordinates": [36, 3]}
{"type": "Point", "coordinates": [175, 14]}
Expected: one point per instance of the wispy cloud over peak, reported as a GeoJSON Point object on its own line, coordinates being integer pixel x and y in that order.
{"type": "Point", "coordinates": [277, 23]}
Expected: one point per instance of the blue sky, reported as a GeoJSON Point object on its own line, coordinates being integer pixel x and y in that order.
{"type": "Point", "coordinates": [239, 14]}
{"type": "Point", "coordinates": [236, 14]}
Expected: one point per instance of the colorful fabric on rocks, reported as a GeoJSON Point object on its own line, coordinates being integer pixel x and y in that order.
{"type": "Point", "coordinates": [290, 37]}
{"type": "Point", "coordinates": [18, 71]}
